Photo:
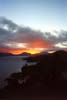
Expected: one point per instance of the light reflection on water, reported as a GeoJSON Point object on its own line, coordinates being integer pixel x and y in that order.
{"type": "Point", "coordinates": [10, 65]}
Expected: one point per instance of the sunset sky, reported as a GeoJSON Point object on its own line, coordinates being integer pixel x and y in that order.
{"type": "Point", "coordinates": [33, 25]}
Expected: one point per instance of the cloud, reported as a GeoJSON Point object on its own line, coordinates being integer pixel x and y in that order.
{"type": "Point", "coordinates": [13, 36]}
{"type": "Point", "coordinates": [22, 35]}
{"type": "Point", "coordinates": [8, 24]}
{"type": "Point", "coordinates": [58, 41]}
{"type": "Point", "coordinates": [61, 45]}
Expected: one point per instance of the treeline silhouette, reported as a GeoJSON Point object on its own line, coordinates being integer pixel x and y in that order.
{"type": "Point", "coordinates": [47, 72]}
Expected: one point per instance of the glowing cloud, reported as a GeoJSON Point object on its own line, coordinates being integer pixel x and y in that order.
{"type": "Point", "coordinates": [16, 39]}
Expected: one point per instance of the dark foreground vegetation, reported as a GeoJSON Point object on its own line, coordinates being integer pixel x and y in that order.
{"type": "Point", "coordinates": [44, 77]}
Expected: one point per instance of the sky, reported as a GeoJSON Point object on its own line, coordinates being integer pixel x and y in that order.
{"type": "Point", "coordinates": [33, 25]}
{"type": "Point", "coordinates": [45, 15]}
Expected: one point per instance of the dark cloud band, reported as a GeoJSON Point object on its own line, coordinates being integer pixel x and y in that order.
{"type": "Point", "coordinates": [15, 36]}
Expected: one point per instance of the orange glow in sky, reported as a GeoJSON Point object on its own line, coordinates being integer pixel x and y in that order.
{"type": "Point", "coordinates": [13, 51]}
{"type": "Point", "coordinates": [19, 51]}
{"type": "Point", "coordinates": [30, 50]}
{"type": "Point", "coordinates": [35, 47]}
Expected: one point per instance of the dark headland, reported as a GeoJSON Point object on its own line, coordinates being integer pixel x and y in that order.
{"type": "Point", "coordinates": [44, 77]}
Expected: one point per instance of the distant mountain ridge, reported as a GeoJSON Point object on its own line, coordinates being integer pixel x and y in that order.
{"type": "Point", "coordinates": [25, 54]}
{"type": "Point", "coordinates": [5, 54]}
{"type": "Point", "coordinates": [60, 52]}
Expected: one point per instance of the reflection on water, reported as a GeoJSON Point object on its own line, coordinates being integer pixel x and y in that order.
{"type": "Point", "coordinates": [9, 65]}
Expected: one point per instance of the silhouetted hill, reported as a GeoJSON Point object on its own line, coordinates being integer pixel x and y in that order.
{"type": "Point", "coordinates": [44, 53]}
{"type": "Point", "coordinates": [48, 75]}
{"type": "Point", "coordinates": [44, 56]}
{"type": "Point", "coordinates": [61, 53]}
{"type": "Point", "coordinates": [5, 54]}
{"type": "Point", "coordinates": [25, 54]}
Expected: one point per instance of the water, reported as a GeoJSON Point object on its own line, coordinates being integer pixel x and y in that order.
{"type": "Point", "coordinates": [10, 65]}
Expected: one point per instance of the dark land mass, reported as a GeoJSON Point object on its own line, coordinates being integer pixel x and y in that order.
{"type": "Point", "coordinates": [5, 54]}
{"type": "Point", "coordinates": [45, 80]}
{"type": "Point", "coordinates": [24, 54]}
{"type": "Point", "coordinates": [9, 54]}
